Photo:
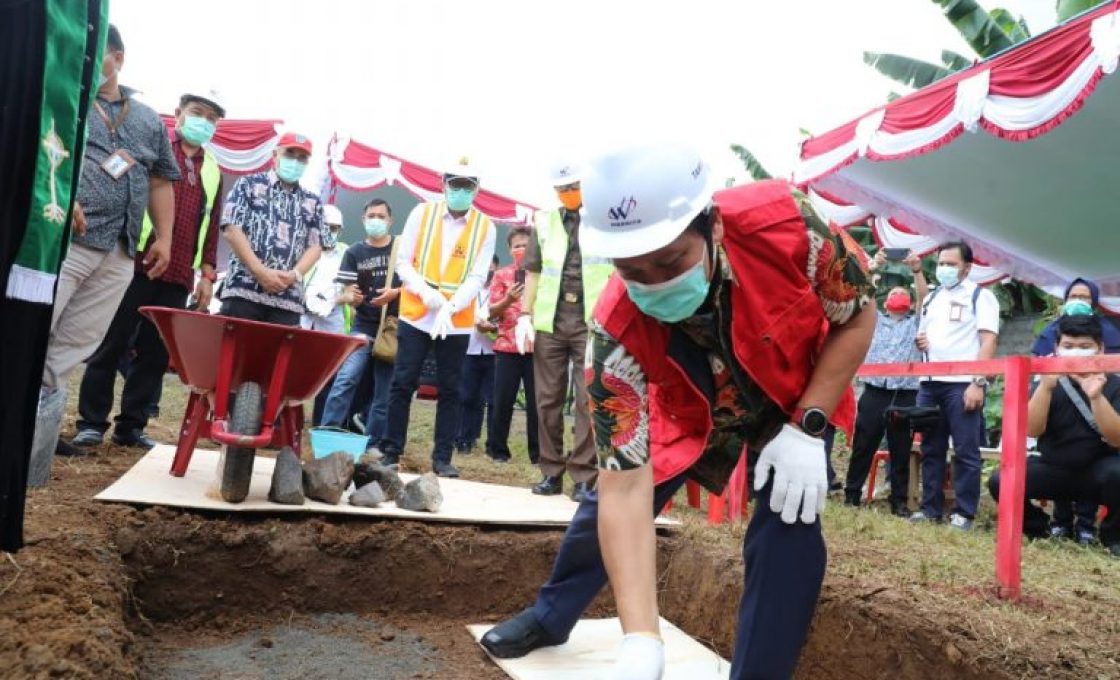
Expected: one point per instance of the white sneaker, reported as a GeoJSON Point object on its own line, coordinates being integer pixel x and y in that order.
{"type": "Point", "coordinates": [960, 522]}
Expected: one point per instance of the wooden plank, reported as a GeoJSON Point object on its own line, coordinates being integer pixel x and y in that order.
{"type": "Point", "coordinates": [148, 483]}
{"type": "Point", "coordinates": [591, 649]}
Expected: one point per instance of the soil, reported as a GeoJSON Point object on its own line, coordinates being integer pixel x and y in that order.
{"type": "Point", "coordinates": [114, 591]}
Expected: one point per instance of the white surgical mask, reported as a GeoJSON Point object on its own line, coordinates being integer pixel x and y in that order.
{"type": "Point", "coordinates": [1076, 352]}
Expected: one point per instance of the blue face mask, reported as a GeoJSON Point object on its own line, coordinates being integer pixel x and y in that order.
{"type": "Point", "coordinates": [948, 275]}
{"type": "Point", "coordinates": [675, 299]}
{"type": "Point", "coordinates": [289, 169]}
{"type": "Point", "coordinates": [459, 199]}
{"type": "Point", "coordinates": [1077, 308]}
{"type": "Point", "coordinates": [197, 130]}
{"type": "Point", "coordinates": [376, 227]}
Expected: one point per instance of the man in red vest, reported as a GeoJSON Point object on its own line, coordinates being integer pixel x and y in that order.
{"type": "Point", "coordinates": [735, 321]}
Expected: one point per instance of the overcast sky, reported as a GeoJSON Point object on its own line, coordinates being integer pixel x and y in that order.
{"type": "Point", "coordinates": [520, 84]}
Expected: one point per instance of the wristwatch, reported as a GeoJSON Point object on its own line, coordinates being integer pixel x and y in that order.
{"type": "Point", "coordinates": [980, 381]}
{"type": "Point", "coordinates": [812, 421]}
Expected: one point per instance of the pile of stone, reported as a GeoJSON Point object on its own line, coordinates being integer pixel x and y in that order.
{"type": "Point", "coordinates": [327, 479]}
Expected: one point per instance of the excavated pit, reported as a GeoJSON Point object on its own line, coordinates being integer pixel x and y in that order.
{"type": "Point", "coordinates": [218, 597]}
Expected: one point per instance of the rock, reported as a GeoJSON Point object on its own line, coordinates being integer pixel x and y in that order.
{"type": "Point", "coordinates": [326, 479]}
{"type": "Point", "coordinates": [421, 494]}
{"type": "Point", "coordinates": [955, 656]}
{"type": "Point", "coordinates": [387, 478]}
{"type": "Point", "coordinates": [266, 643]}
{"type": "Point", "coordinates": [287, 479]}
{"type": "Point", "coordinates": [368, 496]}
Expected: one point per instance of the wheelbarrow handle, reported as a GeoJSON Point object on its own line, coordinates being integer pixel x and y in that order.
{"type": "Point", "coordinates": [220, 434]}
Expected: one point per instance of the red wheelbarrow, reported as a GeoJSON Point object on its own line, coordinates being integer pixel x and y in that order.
{"type": "Point", "coordinates": [271, 370]}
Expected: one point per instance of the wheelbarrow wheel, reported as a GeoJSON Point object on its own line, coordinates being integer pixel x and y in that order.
{"type": "Point", "coordinates": [237, 472]}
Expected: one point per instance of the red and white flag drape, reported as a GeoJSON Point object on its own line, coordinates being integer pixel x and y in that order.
{"type": "Point", "coordinates": [1017, 96]}
{"type": "Point", "coordinates": [358, 167]}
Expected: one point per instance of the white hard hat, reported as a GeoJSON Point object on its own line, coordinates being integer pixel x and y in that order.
{"type": "Point", "coordinates": [461, 166]}
{"type": "Point", "coordinates": [207, 95]}
{"type": "Point", "coordinates": [639, 199]}
{"type": "Point", "coordinates": [331, 214]}
{"type": "Point", "coordinates": [564, 174]}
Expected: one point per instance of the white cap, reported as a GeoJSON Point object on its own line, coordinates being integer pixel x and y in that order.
{"type": "Point", "coordinates": [638, 199]}
{"type": "Point", "coordinates": [564, 174]}
{"type": "Point", "coordinates": [461, 166]}
{"type": "Point", "coordinates": [331, 214]}
{"type": "Point", "coordinates": [208, 95]}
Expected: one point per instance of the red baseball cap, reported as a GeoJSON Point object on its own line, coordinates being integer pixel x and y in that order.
{"type": "Point", "coordinates": [295, 140]}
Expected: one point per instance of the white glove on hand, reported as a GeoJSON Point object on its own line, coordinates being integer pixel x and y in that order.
{"type": "Point", "coordinates": [442, 325]}
{"type": "Point", "coordinates": [433, 299]}
{"type": "Point", "coordinates": [640, 657]}
{"type": "Point", "coordinates": [800, 474]}
{"type": "Point", "coordinates": [524, 333]}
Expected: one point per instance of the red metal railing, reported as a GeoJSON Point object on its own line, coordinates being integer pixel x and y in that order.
{"type": "Point", "coordinates": [1013, 457]}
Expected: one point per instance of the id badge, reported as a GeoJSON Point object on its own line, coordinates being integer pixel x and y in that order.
{"type": "Point", "coordinates": [118, 163]}
{"type": "Point", "coordinates": [955, 312]}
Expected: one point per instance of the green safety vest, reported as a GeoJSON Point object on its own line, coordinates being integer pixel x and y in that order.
{"type": "Point", "coordinates": [553, 240]}
{"type": "Point", "coordinates": [211, 182]}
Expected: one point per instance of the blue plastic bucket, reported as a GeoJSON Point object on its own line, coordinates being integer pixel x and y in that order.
{"type": "Point", "coordinates": [327, 440]}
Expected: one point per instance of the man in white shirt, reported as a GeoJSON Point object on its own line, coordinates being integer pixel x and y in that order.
{"type": "Point", "coordinates": [443, 260]}
{"type": "Point", "coordinates": [960, 322]}
{"type": "Point", "coordinates": [324, 313]}
{"type": "Point", "coordinates": [477, 387]}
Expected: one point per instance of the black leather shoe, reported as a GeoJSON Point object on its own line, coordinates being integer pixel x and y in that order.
{"type": "Point", "coordinates": [445, 469]}
{"type": "Point", "coordinates": [549, 486]}
{"type": "Point", "coordinates": [135, 439]}
{"type": "Point", "coordinates": [900, 510]}
{"type": "Point", "coordinates": [66, 450]}
{"type": "Point", "coordinates": [852, 499]}
{"type": "Point", "coordinates": [580, 491]}
{"type": "Point", "coordinates": [516, 637]}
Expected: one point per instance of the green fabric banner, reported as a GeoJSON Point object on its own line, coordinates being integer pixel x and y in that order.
{"type": "Point", "coordinates": [69, 32]}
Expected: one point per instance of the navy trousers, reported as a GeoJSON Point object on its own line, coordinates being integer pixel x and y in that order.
{"type": "Point", "coordinates": [412, 348]}
{"type": "Point", "coordinates": [784, 569]}
{"type": "Point", "coordinates": [966, 428]}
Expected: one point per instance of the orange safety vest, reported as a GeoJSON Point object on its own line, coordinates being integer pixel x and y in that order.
{"type": "Point", "coordinates": [428, 255]}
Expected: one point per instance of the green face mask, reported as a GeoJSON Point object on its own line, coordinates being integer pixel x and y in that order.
{"type": "Point", "coordinates": [289, 169]}
{"type": "Point", "coordinates": [1077, 308]}
{"type": "Point", "coordinates": [673, 300]}
{"type": "Point", "coordinates": [197, 130]}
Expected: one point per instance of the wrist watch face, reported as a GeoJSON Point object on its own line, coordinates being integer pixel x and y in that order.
{"type": "Point", "coordinates": [814, 422]}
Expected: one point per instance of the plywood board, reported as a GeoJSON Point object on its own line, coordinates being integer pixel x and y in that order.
{"type": "Point", "coordinates": [591, 649]}
{"type": "Point", "coordinates": [149, 483]}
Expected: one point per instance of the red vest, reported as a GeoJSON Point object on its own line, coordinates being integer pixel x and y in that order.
{"type": "Point", "coordinates": [777, 325]}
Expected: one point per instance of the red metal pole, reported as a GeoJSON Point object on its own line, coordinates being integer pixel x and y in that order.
{"type": "Point", "coordinates": [1013, 478]}
{"type": "Point", "coordinates": [693, 490]}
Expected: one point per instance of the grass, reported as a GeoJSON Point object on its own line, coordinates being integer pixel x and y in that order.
{"type": "Point", "coordinates": [1065, 625]}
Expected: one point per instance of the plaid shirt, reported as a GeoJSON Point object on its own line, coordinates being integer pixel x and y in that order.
{"type": "Point", "coordinates": [893, 344]}
{"type": "Point", "coordinates": [190, 202]}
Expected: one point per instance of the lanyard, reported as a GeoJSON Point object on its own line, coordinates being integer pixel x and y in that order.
{"type": "Point", "coordinates": [113, 124]}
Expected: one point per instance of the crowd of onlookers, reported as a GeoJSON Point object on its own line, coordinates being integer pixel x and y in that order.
{"type": "Point", "coordinates": [436, 301]}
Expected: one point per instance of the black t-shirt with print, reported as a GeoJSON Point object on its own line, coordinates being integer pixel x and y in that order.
{"type": "Point", "coordinates": [368, 266]}
{"type": "Point", "coordinates": [1069, 441]}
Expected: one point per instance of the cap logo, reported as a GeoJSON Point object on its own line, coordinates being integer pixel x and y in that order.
{"type": "Point", "coordinates": [619, 214]}
{"type": "Point", "coordinates": [698, 170]}
{"type": "Point", "coordinates": [300, 139]}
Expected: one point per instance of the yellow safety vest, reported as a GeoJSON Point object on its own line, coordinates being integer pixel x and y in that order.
{"type": "Point", "coordinates": [553, 240]}
{"type": "Point", "coordinates": [428, 255]}
{"type": "Point", "coordinates": [211, 182]}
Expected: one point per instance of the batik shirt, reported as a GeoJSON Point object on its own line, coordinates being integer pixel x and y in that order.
{"type": "Point", "coordinates": [742, 413]}
{"type": "Point", "coordinates": [281, 224]}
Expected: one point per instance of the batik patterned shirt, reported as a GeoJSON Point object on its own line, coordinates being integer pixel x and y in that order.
{"type": "Point", "coordinates": [281, 225]}
{"type": "Point", "coordinates": [742, 414]}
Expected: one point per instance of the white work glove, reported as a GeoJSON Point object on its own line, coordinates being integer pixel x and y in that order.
{"type": "Point", "coordinates": [433, 299]}
{"type": "Point", "coordinates": [524, 333]}
{"type": "Point", "coordinates": [442, 325]}
{"type": "Point", "coordinates": [640, 657]}
{"type": "Point", "coordinates": [800, 474]}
